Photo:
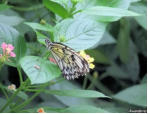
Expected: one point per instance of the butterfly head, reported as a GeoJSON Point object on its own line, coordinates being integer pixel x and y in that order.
{"type": "Point", "coordinates": [48, 43]}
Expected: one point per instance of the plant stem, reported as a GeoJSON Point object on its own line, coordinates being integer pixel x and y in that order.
{"type": "Point", "coordinates": [92, 83]}
{"type": "Point", "coordinates": [3, 90]}
{"type": "Point", "coordinates": [20, 75]}
{"type": "Point", "coordinates": [10, 100]}
{"type": "Point", "coordinates": [84, 82]}
{"type": "Point", "coordinates": [13, 96]}
{"type": "Point", "coordinates": [25, 103]}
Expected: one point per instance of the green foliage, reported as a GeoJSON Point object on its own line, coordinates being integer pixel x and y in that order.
{"type": "Point", "coordinates": [39, 70]}
{"type": "Point", "coordinates": [118, 49]}
{"type": "Point", "coordinates": [134, 95]}
{"type": "Point", "coordinates": [74, 93]}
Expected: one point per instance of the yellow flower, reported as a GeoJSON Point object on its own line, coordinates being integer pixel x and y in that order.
{"type": "Point", "coordinates": [91, 66]}
{"type": "Point", "coordinates": [88, 59]}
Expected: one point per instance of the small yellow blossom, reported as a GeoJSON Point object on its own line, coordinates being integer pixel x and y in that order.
{"type": "Point", "coordinates": [88, 59]}
{"type": "Point", "coordinates": [91, 66]}
{"type": "Point", "coordinates": [43, 22]}
{"type": "Point", "coordinates": [12, 87]}
{"type": "Point", "coordinates": [40, 110]}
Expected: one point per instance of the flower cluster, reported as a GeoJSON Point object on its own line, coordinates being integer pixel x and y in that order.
{"type": "Point", "coordinates": [89, 59]}
{"type": "Point", "coordinates": [7, 52]}
{"type": "Point", "coordinates": [12, 87]}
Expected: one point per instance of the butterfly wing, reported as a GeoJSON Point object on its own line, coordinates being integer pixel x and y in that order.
{"type": "Point", "coordinates": [70, 62]}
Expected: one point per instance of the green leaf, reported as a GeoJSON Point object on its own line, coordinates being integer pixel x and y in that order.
{"type": "Point", "coordinates": [37, 26]}
{"type": "Point", "coordinates": [134, 95]}
{"type": "Point", "coordinates": [117, 4]}
{"type": "Point", "coordinates": [83, 109]}
{"type": "Point", "coordinates": [123, 41]}
{"type": "Point", "coordinates": [20, 48]}
{"type": "Point", "coordinates": [80, 34]}
{"type": "Point", "coordinates": [73, 100]}
{"type": "Point", "coordinates": [56, 8]}
{"type": "Point", "coordinates": [41, 37]}
{"type": "Point", "coordinates": [22, 95]}
{"type": "Point", "coordinates": [3, 7]}
{"type": "Point", "coordinates": [109, 11]}
{"type": "Point", "coordinates": [71, 109]}
{"type": "Point", "coordinates": [10, 20]}
{"type": "Point", "coordinates": [76, 93]}
{"type": "Point", "coordinates": [141, 9]}
{"type": "Point", "coordinates": [39, 70]}
{"type": "Point", "coordinates": [106, 39]}
{"type": "Point", "coordinates": [8, 34]}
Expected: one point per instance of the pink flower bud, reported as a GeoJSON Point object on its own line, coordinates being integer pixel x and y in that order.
{"type": "Point", "coordinates": [12, 54]}
{"type": "Point", "coordinates": [10, 47]}
{"type": "Point", "coordinates": [4, 45]}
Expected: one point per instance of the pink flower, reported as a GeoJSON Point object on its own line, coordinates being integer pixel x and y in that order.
{"type": "Point", "coordinates": [10, 47]}
{"type": "Point", "coordinates": [7, 52]}
{"type": "Point", "coordinates": [12, 54]}
{"type": "Point", "coordinates": [3, 45]}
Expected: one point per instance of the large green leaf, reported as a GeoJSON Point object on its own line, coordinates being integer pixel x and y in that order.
{"type": "Point", "coordinates": [76, 93]}
{"type": "Point", "coordinates": [80, 34]}
{"type": "Point", "coordinates": [67, 85]}
{"type": "Point", "coordinates": [39, 70]}
{"type": "Point", "coordinates": [37, 26]}
{"type": "Point", "coordinates": [105, 10]}
{"type": "Point", "coordinates": [109, 11]}
{"type": "Point", "coordinates": [135, 95]}
{"type": "Point", "coordinates": [142, 9]}
{"type": "Point", "coordinates": [83, 109]}
{"type": "Point", "coordinates": [8, 34]}
{"type": "Point", "coordinates": [10, 20]}
{"type": "Point", "coordinates": [56, 8]}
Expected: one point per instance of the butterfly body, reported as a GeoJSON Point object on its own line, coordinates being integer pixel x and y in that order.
{"type": "Point", "coordinates": [70, 62]}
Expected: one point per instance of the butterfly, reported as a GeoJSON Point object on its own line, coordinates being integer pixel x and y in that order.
{"type": "Point", "coordinates": [69, 61]}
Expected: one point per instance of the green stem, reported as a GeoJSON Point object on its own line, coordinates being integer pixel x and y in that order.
{"type": "Point", "coordinates": [20, 75]}
{"type": "Point", "coordinates": [84, 82]}
{"type": "Point", "coordinates": [92, 83]}
{"type": "Point", "coordinates": [3, 90]}
{"type": "Point", "coordinates": [13, 96]}
{"type": "Point", "coordinates": [15, 109]}
{"type": "Point", "coordinates": [10, 100]}
{"type": "Point", "coordinates": [25, 103]}
{"type": "Point", "coordinates": [100, 86]}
